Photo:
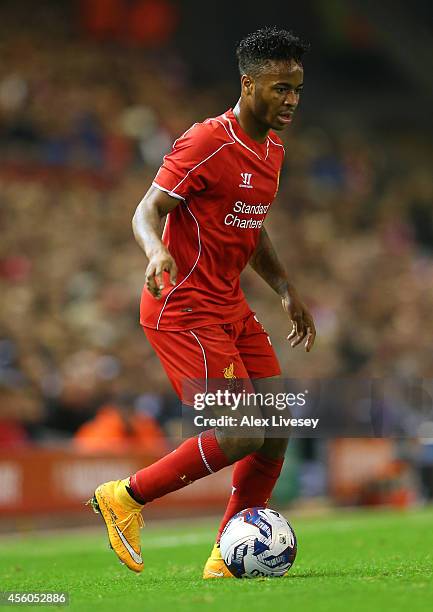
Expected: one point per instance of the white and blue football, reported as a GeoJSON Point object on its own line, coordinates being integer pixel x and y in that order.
{"type": "Point", "coordinates": [258, 542]}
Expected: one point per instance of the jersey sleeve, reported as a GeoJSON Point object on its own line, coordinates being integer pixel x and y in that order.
{"type": "Point", "coordinates": [193, 164]}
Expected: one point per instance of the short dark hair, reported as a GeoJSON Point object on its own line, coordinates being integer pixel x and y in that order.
{"type": "Point", "coordinates": [268, 44]}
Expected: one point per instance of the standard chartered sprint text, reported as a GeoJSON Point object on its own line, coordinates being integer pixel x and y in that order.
{"type": "Point", "coordinates": [248, 209]}
{"type": "Point", "coordinates": [231, 400]}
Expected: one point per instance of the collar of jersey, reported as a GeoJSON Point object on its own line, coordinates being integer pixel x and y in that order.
{"type": "Point", "coordinates": [259, 149]}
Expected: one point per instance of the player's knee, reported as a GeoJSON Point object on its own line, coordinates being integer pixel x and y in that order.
{"type": "Point", "coordinates": [274, 448]}
{"type": "Point", "coordinates": [245, 446]}
{"type": "Point", "coordinates": [236, 447]}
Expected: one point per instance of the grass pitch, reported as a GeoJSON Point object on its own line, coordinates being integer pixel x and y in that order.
{"type": "Point", "coordinates": [376, 561]}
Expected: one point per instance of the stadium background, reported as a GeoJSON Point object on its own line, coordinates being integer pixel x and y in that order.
{"type": "Point", "coordinates": [92, 94]}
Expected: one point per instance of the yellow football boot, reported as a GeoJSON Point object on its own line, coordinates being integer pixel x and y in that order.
{"type": "Point", "coordinates": [215, 566]}
{"type": "Point", "coordinates": [122, 516]}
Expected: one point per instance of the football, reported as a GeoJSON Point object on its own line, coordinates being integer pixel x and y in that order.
{"type": "Point", "coordinates": [258, 542]}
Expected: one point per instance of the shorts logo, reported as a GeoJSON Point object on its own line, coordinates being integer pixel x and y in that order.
{"type": "Point", "coordinates": [229, 371]}
{"type": "Point", "coordinates": [246, 180]}
{"type": "Point", "coordinates": [230, 376]}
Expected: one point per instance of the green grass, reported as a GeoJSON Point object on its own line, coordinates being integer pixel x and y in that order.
{"type": "Point", "coordinates": [366, 561]}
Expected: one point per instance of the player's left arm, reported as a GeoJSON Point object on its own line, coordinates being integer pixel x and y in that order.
{"type": "Point", "coordinates": [265, 262]}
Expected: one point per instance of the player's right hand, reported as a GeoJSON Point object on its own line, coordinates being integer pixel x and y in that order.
{"type": "Point", "coordinates": [159, 263]}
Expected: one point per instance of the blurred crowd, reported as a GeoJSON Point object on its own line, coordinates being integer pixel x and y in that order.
{"type": "Point", "coordinates": [83, 128]}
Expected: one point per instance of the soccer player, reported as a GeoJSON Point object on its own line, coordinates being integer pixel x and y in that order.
{"type": "Point", "coordinates": [215, 187]}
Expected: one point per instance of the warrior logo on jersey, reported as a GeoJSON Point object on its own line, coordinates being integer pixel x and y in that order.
{"type": "Point", "coordinates": [246, 180]}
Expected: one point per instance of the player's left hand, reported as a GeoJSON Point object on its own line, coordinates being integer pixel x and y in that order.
{"type": "Point", "coordinates": [303, 324]}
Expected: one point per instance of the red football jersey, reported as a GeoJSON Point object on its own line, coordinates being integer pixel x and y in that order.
{"type": "Point", "coordinates": [226, 182]}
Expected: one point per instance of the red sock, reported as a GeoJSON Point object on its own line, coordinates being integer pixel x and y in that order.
{"type": "Point", "coordinates": [254, 478]}
{"type": "Point", "coordinates": [193, 459]}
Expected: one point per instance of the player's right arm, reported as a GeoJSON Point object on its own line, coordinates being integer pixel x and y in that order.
{"type": "Point", "coordinates": [146, 224]}
{"type": "Point", "coordinates": [185, 172]}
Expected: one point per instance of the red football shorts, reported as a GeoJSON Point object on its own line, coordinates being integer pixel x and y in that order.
{"type": "Point", "coordinates": [241, 349]}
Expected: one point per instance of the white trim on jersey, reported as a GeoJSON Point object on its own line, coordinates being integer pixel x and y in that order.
{"type": "Point", "coordinates": [185, 133]}
{"type": "Point", "coordinates": [277, 144]}
{"type": "Point", "coordinates": [200, 163]}
{"type": "Point", "coordinates": [189, 273]}
{"type": "Point", "coordinates": [170, 193]}
{"type": "Point", "coordinates": [238, 139]}
{"type": "Point", "coordinates": [267, 147]}
{"type": "Point", "coordinates": [181, 136]}
{"type": "Point", "coordinates": [204, 357]}
{"type": "Point", "coordinates": [221, 123]}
